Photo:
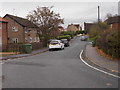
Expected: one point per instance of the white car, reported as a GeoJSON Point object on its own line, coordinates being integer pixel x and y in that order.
{"type": "Point", "coordinates": [56, 44]}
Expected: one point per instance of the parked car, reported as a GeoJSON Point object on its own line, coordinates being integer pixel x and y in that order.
{"type": "Point", "coordinates": [51, 40]}
{"type": "Point", "coordinates": [56, 44]}
{"type": "Point", "coordinates": [84, 38]}
{"type": "Point", "coordinates": [65, 42]}
{"type": "Point", "coordinates": [79, 35]}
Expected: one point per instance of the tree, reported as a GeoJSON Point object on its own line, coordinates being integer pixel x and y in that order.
{"type": "Point", "coordinates": [109, 15]}
{"type": "Point", "coordinates": [47, 21]}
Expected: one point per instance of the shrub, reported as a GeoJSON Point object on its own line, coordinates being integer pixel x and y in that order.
{"type": "Point", "coordinates": [64, 37]}
{"type": "Point", "coordinates": [71, 33]}
{"type": "Point", "coordinates": [109, 43]}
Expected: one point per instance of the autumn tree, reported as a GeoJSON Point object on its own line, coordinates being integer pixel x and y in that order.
{"type": "Point", "coordinates": [47, 21]}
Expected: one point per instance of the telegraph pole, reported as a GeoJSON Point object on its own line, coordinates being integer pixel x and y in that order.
{"type": "Point", "coordinates": [98, 14]}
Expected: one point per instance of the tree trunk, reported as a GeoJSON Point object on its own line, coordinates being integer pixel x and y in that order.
{"type": "Point", "coordinates": [45, 41]}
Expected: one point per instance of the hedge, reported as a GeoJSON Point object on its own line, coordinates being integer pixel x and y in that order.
{"type": "Point", "coordinates": [64, 37]}
{"type": "Point", "coordinates": [109, 43]}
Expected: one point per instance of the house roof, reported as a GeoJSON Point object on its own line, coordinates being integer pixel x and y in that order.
{"type": "Point", "coordinates": [76, 25]}
{"type": "Point", "coordinates": [22, 21]}
{"type": "Point", "coordinates": [111, 20]}
{"type": "Point", "coordinates": [3, 20]}
{"type": "Point", "coordinates": [60, 27]}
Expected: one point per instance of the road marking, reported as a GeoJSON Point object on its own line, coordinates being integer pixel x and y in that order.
{"type": "Point", "coordinates": [95, 67]}
{"type": "Point", "coordinates": [1, 62]}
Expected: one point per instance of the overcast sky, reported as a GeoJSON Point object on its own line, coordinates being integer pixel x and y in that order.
{"type": "Point", "coordinates": [72, 12]}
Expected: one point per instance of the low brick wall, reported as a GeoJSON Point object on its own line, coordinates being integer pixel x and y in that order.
{"type": "Point", "coordinates": [36, 46]}
{"type": "Point", "coordinates": [19, 47]}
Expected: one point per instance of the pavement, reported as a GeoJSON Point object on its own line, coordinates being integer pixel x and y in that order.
{"type": "Point", "coordinates": [96, 59]}
{"type": "Point", "coordinates": [24, 55]}
{"type": "Point", "coordinates": [55, 69]}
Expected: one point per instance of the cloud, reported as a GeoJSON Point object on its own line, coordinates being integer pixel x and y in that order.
{"type": "Point", "coordinates": [72, 12]}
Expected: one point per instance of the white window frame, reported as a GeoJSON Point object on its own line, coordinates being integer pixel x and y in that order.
{"type": "Point", "coordinates": [111, 25]}
{"type": "Point", "coordinates": [38, 39]}
{"type": "Point", "coordinates": [30, 40]}
{"type": "Point", "coordinates": [26, 39]}
{"type": "Point", "coordinates": [15, 29]}
{"type": "Point", "coordinates": [15, 40]}
{"type": "Point", "coordinates": [35, 39]}
{"type": "Point", "coordinates": [26, 31]}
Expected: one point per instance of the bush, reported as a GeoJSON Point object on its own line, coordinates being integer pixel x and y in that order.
{"type": "Point", "coordinates": [109, 43]}
{"type": "Point", "coordinates": [71, 33]}
{"type": "Point", "coordinates": [64, 37]}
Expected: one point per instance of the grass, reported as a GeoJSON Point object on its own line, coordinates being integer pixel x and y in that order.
{"type": "Point", "coordinates": [4, 54]}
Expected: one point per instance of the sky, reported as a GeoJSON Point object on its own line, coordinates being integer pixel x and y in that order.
{"type": "Point", "coordinates": [75, 12]}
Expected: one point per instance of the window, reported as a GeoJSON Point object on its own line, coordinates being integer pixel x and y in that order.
{"type": "Point", "coordinates": [26, 31]}
{"type": "Point", "coordinates": [38, 40]}
{"type": "Point", "coordinates": [30, 39]}
{"type": "Point", "coordinates": [35, 39]}
{"type": "Point", "coordinates": [111, 26]}
{"type": "Point", "coordinates": [15, 29]}
{"type": "Point", "coordinates": [29, 31]}
{"type": "Point", "coordinates": [15, 40]}
{"type": "Point", "coordinates": [26, 39]}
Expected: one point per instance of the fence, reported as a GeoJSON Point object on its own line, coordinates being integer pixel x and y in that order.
{"type": "Point", "coordinates": [19, 47]}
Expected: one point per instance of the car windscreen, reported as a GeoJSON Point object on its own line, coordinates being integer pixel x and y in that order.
{"type": "Point", "coordinates": [64, 41]}
{"type": "Point", "coordinates": [54, 42]}
{"type": "Point", "coordinates": [83, 37]}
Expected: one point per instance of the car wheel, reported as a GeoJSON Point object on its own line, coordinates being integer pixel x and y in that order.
{"type": "Point", "coordinates": [50, 49]}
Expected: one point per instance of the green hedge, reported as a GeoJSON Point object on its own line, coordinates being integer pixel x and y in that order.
{"type": "Point", "coordinates": [64, 37]}
{"type": "Point", "coordinates": [109, 43]}
{"type": "Point", "coordinates": [71, 33]}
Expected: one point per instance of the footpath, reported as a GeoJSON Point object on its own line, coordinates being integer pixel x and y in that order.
{"type": "Point", "coordinates": [96, 59]}
{"type": "Point", "coordinates": [24, 55]}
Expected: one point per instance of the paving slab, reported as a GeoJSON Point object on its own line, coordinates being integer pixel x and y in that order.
{"type": "Point", "coordinates": [102, 61]}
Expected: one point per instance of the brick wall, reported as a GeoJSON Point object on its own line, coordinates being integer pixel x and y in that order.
{"type": "Point", "coordinates": [11, 34]}
{"type": "Point", "coordinates": [19, 47]}
{"type": "Point", "coordinates": [3, 35]}
{"type": "Point", "coordinates": [115, 26]}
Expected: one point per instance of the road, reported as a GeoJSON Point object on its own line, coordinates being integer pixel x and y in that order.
{"type": "Point", "coordinates": [55, 69]}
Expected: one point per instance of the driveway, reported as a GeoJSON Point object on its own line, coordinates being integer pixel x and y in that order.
{"type": "Point", "coordinates": [55, 69]}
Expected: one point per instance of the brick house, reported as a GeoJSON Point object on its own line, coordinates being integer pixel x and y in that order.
{"type": "Point", "coordinates": [114, 22]}
{"type": "Point", "coordinates": [21, 30]}
{"type": "Point", "coordinates": [3, 34]}
{"type": "Point", "coordinates": [61, 29]}
{"type": "Point", "coordinates": [74, 27]}
{"type": "Point", "coordinates": [88, 26]}
{"type": "Point", "coordinates": [57, 32]}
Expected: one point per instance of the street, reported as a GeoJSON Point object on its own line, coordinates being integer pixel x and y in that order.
{"type": "Point", "coordinates": [55, 69]}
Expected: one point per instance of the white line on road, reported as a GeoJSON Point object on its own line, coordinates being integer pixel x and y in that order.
{"type": "Point", "coordinates": [95, 67]}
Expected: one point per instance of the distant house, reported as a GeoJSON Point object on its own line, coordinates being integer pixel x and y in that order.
{"type": "Point", "coordinates": [88, 26]}
{"type": "Point", "coordinates": [21, 30]}
{"type": "Point", "coordinates": [61, 29]}
{"type": "Point", "coordinates": [74, 27]}
{"type": "Point", "coordinates": [56, 32]}
{"type": "Point", "coordinates": [3, 34]}
{"type": "Point", "coordinates": [113, 22]}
